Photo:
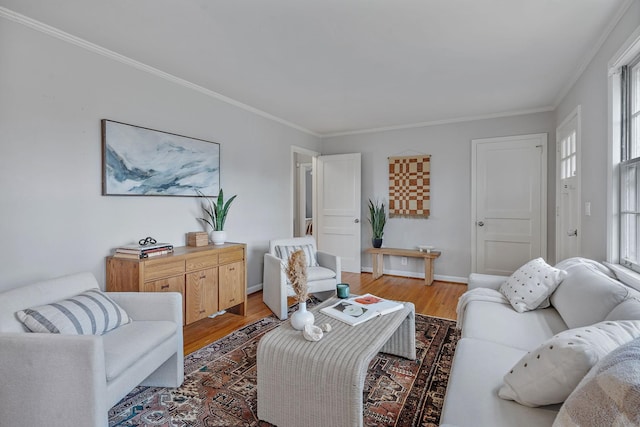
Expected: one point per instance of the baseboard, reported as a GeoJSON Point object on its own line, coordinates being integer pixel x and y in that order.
{"type": "Point", "coordinates": [413, 274]}
{"type": "Point", "coordinates": [254, 288]}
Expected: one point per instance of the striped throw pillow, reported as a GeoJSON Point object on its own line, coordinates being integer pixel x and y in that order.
{"type": "Point", "coordinates": [90, 313]}
{"type": "Point", "coordinates": [284, 252]}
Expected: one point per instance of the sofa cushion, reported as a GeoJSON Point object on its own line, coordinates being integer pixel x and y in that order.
{"type": "Point", "coordinates": [126, 345]}
{"type": "Point", "coordinates": [587, 295]}
{"type": "Point", "coordinates": [284, 253]}
{"type": "Point", "coordinates": [501, 324]}
{"type": "Point", "coordinates": [608, 394]}
{"type": "Point", "coordinates": [472, 393]}
{"type": "Point", "coordinates": [550, 373]}
{"type": "Point", "coordinates": [89, 313]}
{"type": "Point", "coordinates": [529, 286]}
{"type": "Point", "coordinates": [628, 309]}
{"type": "Point", "coordinates": [319, 273]}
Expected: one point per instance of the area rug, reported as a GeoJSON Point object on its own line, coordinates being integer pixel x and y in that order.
{"type": "Point", "coordinates": [220, 384]}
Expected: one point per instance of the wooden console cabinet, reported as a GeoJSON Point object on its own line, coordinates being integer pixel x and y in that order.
{"type": "Point", "coordinates": [210, 278]}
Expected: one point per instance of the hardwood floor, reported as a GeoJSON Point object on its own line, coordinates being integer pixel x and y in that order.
{"type": "Point", "coordinates": [438, 300]}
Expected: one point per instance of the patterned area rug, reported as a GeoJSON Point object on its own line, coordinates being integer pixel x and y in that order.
{"type": "Point", "coordinates": [220, 387]}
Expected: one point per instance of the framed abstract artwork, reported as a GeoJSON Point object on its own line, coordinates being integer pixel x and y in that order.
{"type": "Point", "coordinates": [137, 161]}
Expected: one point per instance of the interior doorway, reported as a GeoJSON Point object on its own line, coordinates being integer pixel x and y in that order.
{"type": "Point", "coordinates": [302, 191]}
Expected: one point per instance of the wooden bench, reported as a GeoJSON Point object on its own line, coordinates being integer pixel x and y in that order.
{"type": "Point", "coordinates": [377, 256]}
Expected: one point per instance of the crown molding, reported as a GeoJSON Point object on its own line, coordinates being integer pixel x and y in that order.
{"type": "Point", "coordinates": [441, 122]}
{"type": "Point", "coordinates": [92, 47]}
{"type": "Point", "coordinates": [592, 52]}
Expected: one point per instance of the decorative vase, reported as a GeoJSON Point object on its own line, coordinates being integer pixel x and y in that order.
{"type": "Point", "coordinates": [301, 317]}
{"type": "Point", "coordinates": [376, 242]}
{"type": "Point", "coordinates": [218, 237]}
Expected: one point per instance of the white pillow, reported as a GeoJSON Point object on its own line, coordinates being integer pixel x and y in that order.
{"type": "Point", "coordinates": [530, 286]}
{"type": "Point", "coordinates": [587, 295]}
{"type": "Point", "coordinates": [89, 313]}
{"type": "Point", "coordinates": [628, 309]}
{"type": "Point", "coordinates": [284, 253]}
{"type": "Point", "coordinates": [608, 394]}
{"type": "Point", "coordinates": [550, 373]}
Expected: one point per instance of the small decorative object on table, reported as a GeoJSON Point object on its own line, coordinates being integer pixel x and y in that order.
{"type": "Point", "coordinates": [297, 275]}
{"type": "Point", "coordinates": [216, 216]}
{"type": "Point", "coordinates": [197, 238]}
{"type": "Point", "coordinates": [342, 290]}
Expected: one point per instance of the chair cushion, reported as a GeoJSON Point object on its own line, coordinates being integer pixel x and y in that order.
{"type": "Point", "coordinates": [550, 373]}
{"type": "Point", "coordinates": [89, 313]}
{"type": "Point", "coordinates": [284, 253]}
{"type": "Point", "coordinates": [319, 273]}
{"type": "Point", "coordinates": [529, 286]}
{"type": "Point", "coordinates": [125, 345]}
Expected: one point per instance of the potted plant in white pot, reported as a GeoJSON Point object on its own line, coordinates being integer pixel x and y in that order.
{"type": "Point", "coordinates": [216, 214]}
{"type": "Point", "coordinates": [377, 219]}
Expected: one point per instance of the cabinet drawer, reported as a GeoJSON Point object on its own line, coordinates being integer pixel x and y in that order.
{"type": "Point", "coordinates": [198, 262]}
{"type": "Point", "coordinates": [230, 256]}
{"type": "Point", "coordinates": [163, 267]}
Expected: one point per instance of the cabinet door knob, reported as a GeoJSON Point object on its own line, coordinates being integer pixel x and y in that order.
{"type": "Point", "coordinates": [232, 269]}
{"type": "Point", "coordinates": [164, 287]}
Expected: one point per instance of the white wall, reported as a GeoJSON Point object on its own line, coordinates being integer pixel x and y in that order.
{"type": "Point", "coordinates": [448, 227]}
{"type": "Point", "coordinates": [591, 92]}
{"type": "Point", "coordinates": [54, 220]}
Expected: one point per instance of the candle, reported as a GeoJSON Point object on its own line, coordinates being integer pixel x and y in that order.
{"type": "Point", "coordinates": [343, 290]}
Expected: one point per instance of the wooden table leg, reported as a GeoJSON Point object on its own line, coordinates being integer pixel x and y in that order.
{"type": "Point", "coordinates": [378, 264]}
{"type": "Point", "coordinates": [428, 271]}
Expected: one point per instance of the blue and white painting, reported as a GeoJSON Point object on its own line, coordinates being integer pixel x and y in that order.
{"type": "Point", "coordinates": [146, 162]}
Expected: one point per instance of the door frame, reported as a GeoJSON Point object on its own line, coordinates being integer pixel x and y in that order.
{"type": "Point", "coordinates": [543, 190]}
{"type": "Point", "coordinates": [577, 113]}
{"type": "Point", "coordinates": [292, 191]}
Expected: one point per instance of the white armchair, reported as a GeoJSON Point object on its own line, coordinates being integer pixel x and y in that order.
{"type": "Point", "coordinates": [59, 380]}
{"type": "Point", "coordinates": [322, 279]}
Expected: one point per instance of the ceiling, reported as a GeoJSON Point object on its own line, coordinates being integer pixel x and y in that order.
{"type": "Point", "coordinates": [339, 66]}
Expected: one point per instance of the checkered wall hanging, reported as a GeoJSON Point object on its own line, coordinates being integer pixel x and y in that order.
{"type": "Point", "coordinates": [409, 186]}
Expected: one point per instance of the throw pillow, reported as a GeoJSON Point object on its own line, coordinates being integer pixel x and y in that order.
{"type": "Point", "coordinates": [530, 286]}
{"type": "Point", "coordinates": [608, 394]}
{"type": "Point", "coordinates": [587, 295]}
{"type": "Point", "coordinates": [89, 313]}
{"type": "Point", "coordinates": [284, 252]}
{"type": "Point", "coordinates": [550, 373]}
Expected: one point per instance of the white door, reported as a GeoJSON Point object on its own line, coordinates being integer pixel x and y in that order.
{"type": "Point", "coordinates": [508, 202]}
{"type": "Point", "coordinates": [337, 209]}
{"type": "Point", "coordinates": [568, 187]}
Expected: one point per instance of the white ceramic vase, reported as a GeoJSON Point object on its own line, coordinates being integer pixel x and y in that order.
{"type": "Point", "coordinates": [301, 317]}
{"type": "Point", "coordinates": [218, 237]}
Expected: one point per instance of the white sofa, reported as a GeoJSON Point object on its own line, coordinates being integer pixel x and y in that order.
{"type": "Point", "coordinates": [495, 337]}
{"type": "Point", "coordinates": [59, 380]}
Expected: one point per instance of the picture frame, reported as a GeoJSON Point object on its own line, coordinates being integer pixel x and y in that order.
{"type": "Point", "coordinates": [138, 161]}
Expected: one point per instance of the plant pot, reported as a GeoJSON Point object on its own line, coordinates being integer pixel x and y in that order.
{"type": "Point", "coordinates": [376, 242]}
{"type": "Point", "coordinates": [301, 317]}
{"type": "Point", "coordinates": [218, 237]}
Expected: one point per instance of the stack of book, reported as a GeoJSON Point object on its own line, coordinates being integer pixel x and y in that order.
{"type": "Point", "coordinates": [359, 309]}
{"type": "Point", "coordinates": [146, 251]}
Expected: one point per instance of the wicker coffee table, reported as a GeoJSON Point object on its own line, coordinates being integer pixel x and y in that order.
{"type": "Point", "coordinates": [303, 383]}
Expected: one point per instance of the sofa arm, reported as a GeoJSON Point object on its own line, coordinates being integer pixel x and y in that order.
{"type": "Point", "coordinates": [52, 371]}
{"type": "Point", "coordinates": [150, 305]}
{"type": "Point", "coordinates": [332, 262]}
{"type": "Point", "coordinates": [477, 280]}
{"type": "Point", "coordinates": [274, 286]}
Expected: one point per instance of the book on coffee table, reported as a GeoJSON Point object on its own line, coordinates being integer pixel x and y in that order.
{"type": "Point", "coordinates": [359, 309]}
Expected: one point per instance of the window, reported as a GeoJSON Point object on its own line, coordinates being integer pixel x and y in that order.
{"type": "Point", "coordinates": [630, 167]}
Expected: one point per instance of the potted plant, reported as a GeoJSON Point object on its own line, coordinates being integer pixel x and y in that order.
{"type": "Point", "coordinates": [377, 219]}
{"type": "Point", "coordinates": [216, 214]}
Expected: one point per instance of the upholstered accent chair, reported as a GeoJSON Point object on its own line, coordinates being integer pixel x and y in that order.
{"type": "Point", "coordinates": [323, 272]}
{"type": "Point", "coordinates": [62, 379]}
